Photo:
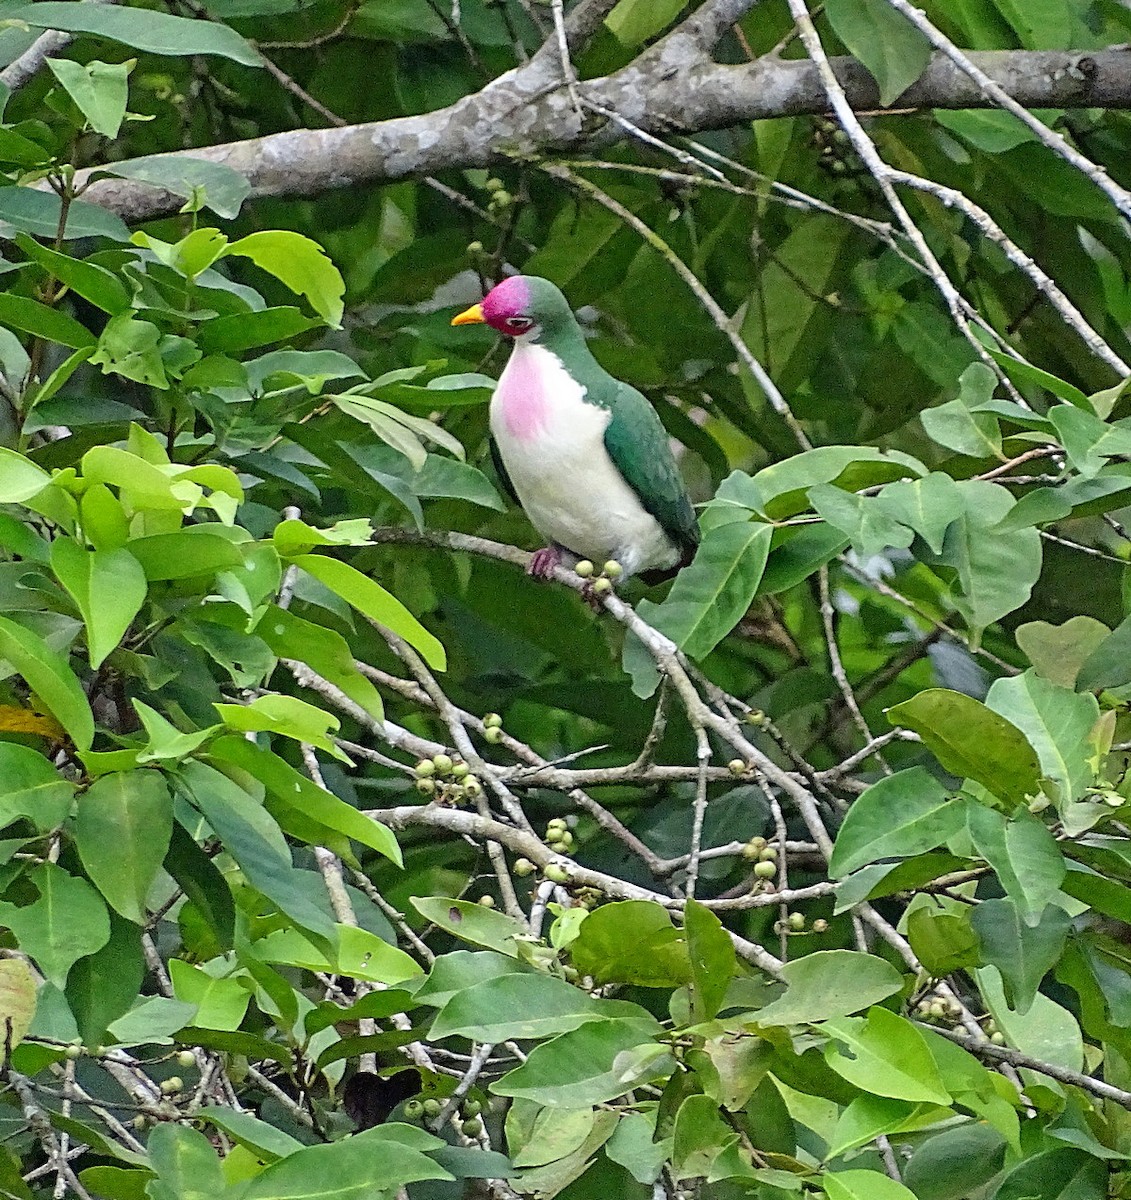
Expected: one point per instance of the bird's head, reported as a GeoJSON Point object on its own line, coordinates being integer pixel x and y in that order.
{"type": "Point", "coordinates": [519, 306]}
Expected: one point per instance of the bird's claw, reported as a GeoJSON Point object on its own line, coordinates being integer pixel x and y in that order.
{"type": "Point", "coordinates": [542, 562]}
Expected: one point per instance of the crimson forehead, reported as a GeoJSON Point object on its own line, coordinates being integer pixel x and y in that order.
{"type": "Point", "coordinates": [509, 299]}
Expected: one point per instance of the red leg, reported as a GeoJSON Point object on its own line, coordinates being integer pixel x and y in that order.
{"type": "Point", "coordinates": [544, 561]}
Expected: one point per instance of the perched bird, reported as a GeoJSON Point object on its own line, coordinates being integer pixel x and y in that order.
{"type": "Point", "coordinates": [585, 454]}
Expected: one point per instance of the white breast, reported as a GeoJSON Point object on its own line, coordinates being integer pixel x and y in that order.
{"type": "Point", "coordinates": [552, 443]}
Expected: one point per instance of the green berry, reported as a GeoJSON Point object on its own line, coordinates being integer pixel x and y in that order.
{"type": "Point", "coordinates": [472, 1128]}
{"type": "Point", "coordinates": [459, 770]}
{"type": "Point", "coordinates": [613, 569]}
{"type": "Point", "coordinates": [472, 788]}
{"type": "Point", "coordinates": [172, 1085]}
{"type": "Point", "coordinates": [502, 199]}
{"type": "Point", "coordinates": [750, 852]}
{"type": "Point", "coordinates": [556, 873]}
{"type": "Point", "coordinates": [139, 1121]}
{"type": "Point", "coordinates": [472, 1108]}
{"type": "Point", "coordinates": [797, 921]}
{"type": "Point", "coordinates": [426, 786]}
{"type": "Point", "coordinates": [414, 1109]}
{"type": "Point", "coordinates": [820, 925]}
{"type": "Point", "coordinates": [493, 735]}
{"type": "Point", "coordinates": [755, 717]}
{"type": "Point", "coordinates": [432, 1107]}
{"type": "Point", "coordinates": [997, 1039]}
{"type": "Point", "coordinates": [938, 1009]}
{"type": "Point", "coordinates": [768, 854]}
{"type": "Point", "coordinates": [487, 901]}
{"type": "Point", "coordinates": [524, 867]}
{"type": "Point", "coordinates": [736, 766]}
{"type": "Point", "coordinates": [602, 587]}
{"type": "Point", "coordinates": [493, 185]}
{"type": "Point", "coordinates": [765, 869]}
{"type": "Point", "coordinates": [557, 823]}
{"type": "Point", "coordinates": [186, 1059]}
{"type": "Point", "coordinates": [443, 763]}
{"type": "Point", "coordinates": [424, 768]}
{"type": "Point", "coordinates": [492, 719]}
{"type": "Point", "coordinates": [474, 248]}
{"type": "Point", "coordinates": [585, 569]}
{"type": "Point", "coordinates": [73, 1052]}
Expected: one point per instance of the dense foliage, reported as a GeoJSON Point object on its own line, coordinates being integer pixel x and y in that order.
{"type": "Point", "coordinates": [338, 856]}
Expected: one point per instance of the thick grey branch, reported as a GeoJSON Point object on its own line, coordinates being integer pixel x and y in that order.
{"type": "Point", "coordinates": [527, 112]}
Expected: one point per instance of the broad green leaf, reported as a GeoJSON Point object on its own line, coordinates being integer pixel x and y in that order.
{"type": "Point", "coordinates": [94, 283]}
{"type": "Point", "coordinates": [886, 1057]}
{"type": "Point", "coordinates": [868, 1117]}
{"type": "Point", "coordinates": [972, 741]}
{"type": "Point", "coordinates": [17, 1000]}
{"type": "Point", "coordinates": [960, 425]}
{"type": "Point", "coordinates": [472, 922]}
{"type": "Point", "coordinates": [132, 348]}
{"type": "Point", "coordinates": [370, 599]}
{"type": "Point", "coordinates": [152, 1019]}
{"type": "Point", "coordinates": [1023, 853]}
{"type": "Point", "coordinates": [50, 677]}
{"type": "Point", "coordinates": [300, 264]}
{"type": "Point", "coordinates": [991, 130]}
{"type": "Point", "coordinates": [67, 921]}
{"type": "Point", "coordinates": [186, 1165]}
{"type": "Point", "coordinates": [31, 787]}
{"type": "Point", "coordinates": [1106, 666]}
{"type": "Point", "coordinates": [109, 588]}
{"type": "Point", "coordinates": [632, 941]}
{"type": "Point", "coordinates": [122, 830]}
{"type": "Point", "coordinates": [927, 505]}
{"type": "Point", "coordinates": [143, 29]}
{"type": "Point", "coordinates": [1087, 440]}
{"type": "Point", "coordinates": [220, 1001]}
{"type": "Point", "coordinates": [633, 22]}
{"type": "Point", "coordinates": [452, 973]}
{"type": "Point", "coordinates": [830, 983]}
{"type": "Point", "coordinates": [525, 1007]}
{"type": "Point", "coordinates": [1047, 1032]}
{"type": "Point", "coordinates": [556, 1133]}
{"type": "Point", "coordinates": [344, 1170]}
{"type": "Point", "coordinates": [898, 817]}
{"type": "Point", "coordinates": [205, 888]}
{"type": "Point", "coordinates": [20, 478]}
{"type": "Point", "coordinates": [592, 1064]}
{"type": "Point", "coordinates": [1018, 369]}
{"type": "Point", "coordinates": [1023, 953]}
{"type": "Point", "coordinates": [956, 1162]}
{"type": "Point", "coordinates": [943, 942]}
{"type": "Point", "coordinates": [183, 174]}
{"type": "Point", "coordinates": [861, 518]}
{"type": "Point", "coordinates": [286, 715]}
{"type": "Point", "coordinates": [358, 954]}
{"type": "Point", "coordinates": [892, 49]}
{"type": "Point", "coordinates": [863, 1185]}
{"type": "Point", "coordinates": [21, 312]}
{"type": "Point", "coordinates": [1056, 721]}
{"type": "Point", "coordinates": [103, 987]}
{"type": "Point", "coordinates": [40, 213]}
{"type": "Point", "coordinates": [700, 1138]}
{"type": "Point", "coordinates": [1067, 1174]}
{"type": "Point", "coordinates": [184, 554]}
{"type": "Point", "coordinates": [1059, 651]}
{"type": "Point", "coordinates": [247, 331]}
{"type": "Point", "coordinates": [262, 1139]}
{"type": "Point", "coordinates": [712, 957]}
{"type": "Point", "coordinates": [99, 89]}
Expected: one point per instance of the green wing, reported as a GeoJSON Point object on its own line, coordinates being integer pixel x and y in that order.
{"type": "Point", "coordinates": [638, 444]}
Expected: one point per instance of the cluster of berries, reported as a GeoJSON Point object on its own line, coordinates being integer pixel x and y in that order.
{"type": "Point", "coordinates": [446, 780]}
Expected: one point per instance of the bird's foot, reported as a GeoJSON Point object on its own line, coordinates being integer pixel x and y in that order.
{"type": "Point", "coordinates": [543, 562]}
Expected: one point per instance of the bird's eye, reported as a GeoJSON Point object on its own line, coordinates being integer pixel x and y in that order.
{"type": "Point", "coordinates": [518, 324]}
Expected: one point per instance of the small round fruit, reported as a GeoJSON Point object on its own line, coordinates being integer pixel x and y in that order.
{"type": "Point", "coordinates": [768, 854]}
{"type": "Point", "coordinates": [472, 1108]}
{"type": "Point", "coordinates": [602, 586]}
{"type": "Point", "coordinates": [426, 786]}
{"type": "Point", "coordinates": [765, 869]}
{"type": "Point", "coordinates": [414, 1109]}
{"type": "Point", "coordinates": [73, 1052]}
{"type": "Point", "coordinates": [493, 735]}
{"type": "Point", "coordinates": [820, 925]}
{"type": "Point", "coordinates": [755, 717]}
{"type": "Point", "coordinates": [472, 788]}
{"type": "Point", "coordinates": [923, 1008]}
{"type": "Point", "coordinates": [524, 867]}
{"type": "Point", "coordinates": [460, 770]}
{"type": "Point", "coordinates": [443, 763]}
{"type": "Point", "coordinates": [557, 823]}
{"type": "Point", "coordinates": [613, 569]}
{"type": "Point", "coordinates": [938, 1009]}
{"type": "Point", "coordinates": [566, 841]}
{"type": "Point", "coordinates": [172, 1085]}
{"type": "Point", "coordinates": [997, 1039]}
{"type": "Point", "coordinates": [424, 768]}
{"type": "Point", "coordinates": [139, 1121]}
{"type": "Point", "coordinates": [751, 852]}
{"type": "Point", "coordinates": [472, 1128]}
{"type": "Point", "coordinates": [585, 569]}
{"type": "Point", "coordinates": [432, 1107]}
{"type": "Point", "coordinates": [487, 901]}
{"type": "Point", "coordinates": [493, 185]}
{"type": "Point", "coordinates": [186, 1059]}
{"type": "Point", "coordinates": [475, 247]}
{"type": "Point", "coordinates": [736, 766]}
{"type": "Point", "coordinates": [556, 873]}
{"type": "Point", "coordinates": [797, 921]}
{"type": "Point", "coordinates": [492, 719]}
{"type": "Point", "coordinates": [502, 198]}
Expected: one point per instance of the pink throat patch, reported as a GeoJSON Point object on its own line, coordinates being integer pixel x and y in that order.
{"type": "Point", "coordinates": [522, 396]}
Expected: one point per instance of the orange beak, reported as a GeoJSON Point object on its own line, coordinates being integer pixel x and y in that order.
{"type": "Point", "coordinates": [470, 316]}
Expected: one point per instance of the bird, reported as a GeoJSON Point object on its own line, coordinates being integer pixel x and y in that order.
{"type": "Point", "coordinates": [584, 454]}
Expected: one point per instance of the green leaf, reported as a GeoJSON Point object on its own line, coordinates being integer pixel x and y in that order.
{"type": "Point", "coordinates": [21, 312]}
{"type": "Point", "coordinates": [959, 425]}
{"type": "Point", "coordinates": [592, 1064]}
{"type": "Point", "coordinates": [50, 677]}
{"type": "Point", "coordinates": [359, 954]}
{"type": "Point", "coordinates": [1047, 1032]}
{"type": "Point", "coordinates": [906, 814]}
{"type": "Point", "coordinates": [300, 264]}
{"type": "Point", "coordinates": [109, 588]}
{"type": "Point", "coordinates": [892, 49]}
{"type": "Point", "coordinates": [972, 742]}
{"type": "Point", "coordinates": [184, 554]}
{"type": "Point", "coordinates": [1056, 721]}
{"type": "Point", "coordinates": [220, 1002]}
{"type": "Point", "coordinates": [887, 1056]}
{"type": "Point", "coordinates": [99, 89]}
{"type": "Point", "coordinates": [472, 922]}
{"type": "Point", "coordinates": [712, 957]}
{"type": "Point", "coordinates": [186, 1165]}
{"type": "Point", "coordinates": [143, 29]}
{"type": "Point", "coordinates": [102, 987]}
{"type": "Point", "coordinates": [1023, 953]}
{"type": "Point", "coordinates": [943, 942]}
{"type": "Point", "coordinates": [65, 923]}
{"type": "Point", "coordinates": [31, 787]}
{"type": "Point", "coordinates": [94, 283]}
{"type": "Point", "coordinates": [20, 478]}
{"type": "Point", "coordinates": [633, 22]}
{"type": "Point", "coordinates": [712, 595]}
{"type": "Point", "coordinates": [17, 1001]}
{"type": "Point", "coordinates": [956, 1162]}
{"type": "Point", "coordinates": [286, 715]}
{"type": "Point", "coordinates": [991, 130]}
{"type": "Point", "coordinates": [122, 830]}
{"type": "Point", "coordinates": [263, 1140]}
{"type": "Point", "coordinates": [830, 983]}
{"type": "Point", "coordinates": [1107, 665]}
{"type": "Point", "coordinates": [40, 213]}
{"type": "Point", "coordinates": [1023, 853]}
{"type": "Point", "coordinates": [519, 1006]}
{"type": "Point", "coordinates": [206, 889]}
{"type": "Point", "coordinates": [224, 189]}
{"type": "Point", "coordinates": [860, 518]}
{"type": "Point", "coordinates": [632, 941]}
{"type": "Point", "coordinates": [868, 1117]}
{"type": "Point", "coordinates": [1058, 652]}
{"type": "Point", "coordinates": [370, 599]}
{"type": "Point", "coordinates": [1066, 1174]}
{"type": "Point", "coordinates": [863, 1185]}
